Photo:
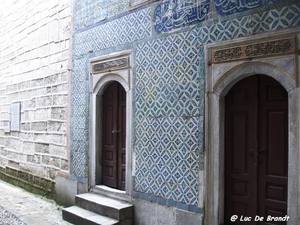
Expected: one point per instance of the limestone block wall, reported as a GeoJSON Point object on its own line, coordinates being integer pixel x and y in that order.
{"type": "Point", "coordinates": [34, 70]}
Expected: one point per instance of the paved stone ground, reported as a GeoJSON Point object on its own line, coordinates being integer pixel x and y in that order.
{"type": "Point", "coordinates": [19, 207]}
{"type": "Point", "coordinates": [7, 218]}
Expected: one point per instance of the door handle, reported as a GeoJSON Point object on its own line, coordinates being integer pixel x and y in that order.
{"type": "Point", "coordinates": [257, 155]}
{"type": "Point", "coordinates": [251, 153]}
{"type": "Point", "coordinates": [116, 131]}
{"type": "Point", "coordinates": [261, 154]}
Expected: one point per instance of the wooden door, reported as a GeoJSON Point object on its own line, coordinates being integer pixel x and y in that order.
{"type": "Point", "coordinates": [114, 136]}
{"type": "Point", "coordinates": [256, 150]}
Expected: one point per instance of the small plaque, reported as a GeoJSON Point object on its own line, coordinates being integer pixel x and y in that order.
{"type": "Point", "coordinates": [111, 65]}
{"type": "Point", "coordinates": [6, 126]}
{"type": "Point", "coordinates": [15, 116]}
{"type": "Point", "coordinates": [261, 49]}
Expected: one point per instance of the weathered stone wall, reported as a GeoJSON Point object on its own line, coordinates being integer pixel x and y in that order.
{"type": "Point", "coordinates": [34, 63]}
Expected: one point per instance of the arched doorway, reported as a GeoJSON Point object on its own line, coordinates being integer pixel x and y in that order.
{"type": "Point", "coordinates": [99, 84]}
{"type": "Point", "coordinates": [256, 149]}
{"type": "Point", "coordinates": [113, 149]}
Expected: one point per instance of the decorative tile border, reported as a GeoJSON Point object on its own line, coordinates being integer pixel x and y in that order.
{"type": "Point", "coordinates": [267, 48]}
{"type": "Point", "coordinates": [137, 3]}
{"type": "Point", "coordinates": [110, 65]}
{"type": "Point", "coordinates": [168, 202]}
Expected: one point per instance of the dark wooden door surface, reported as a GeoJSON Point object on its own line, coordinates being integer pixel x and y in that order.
{"type": "Point", "coordinates": [256, 149]}
{"type": "Point", "coordinates": [114, 136]}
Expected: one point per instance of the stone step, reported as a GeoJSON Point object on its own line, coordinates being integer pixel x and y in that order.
{"type": "Point", "coordinates": [80, 216]}
{"type": "Point", "coordinates": [111, 193]}
{"type": "Point", "coordinates": [112, 208]}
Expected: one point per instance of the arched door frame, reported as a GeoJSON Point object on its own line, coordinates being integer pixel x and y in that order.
{"type": "Point", "coordinates": [98, 84]}
{"type": "Point", "coordinates": [215, 120]}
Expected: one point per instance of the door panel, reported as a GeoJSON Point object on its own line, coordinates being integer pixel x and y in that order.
{"type": "Point", "coordinates": [109, 154]}
{"type": "Point", "coordinates": [121, 139]}
{"type": "Point", "coordinates": [240, 136]}
{"type": "Point", "coordinates": [256, 149]}
{"type": "Point", "coordinates": [114, 136]}
{"type": "Point", "coordinates": [273, 139]}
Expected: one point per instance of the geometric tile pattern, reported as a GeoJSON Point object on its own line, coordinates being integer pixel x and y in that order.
{"type": "Point", "coordinates": [168, 78]}
{"type": "Point", "coordinates": [114, 33]}
{"type": "Point", "coordinates": [169, 103]}
{"type": "Point", "coordinates": [247, 25]}
{"type": "Point", "coordinates": [79, 119]}
{"type": "Point", "coordinates": [126, 29]}
{"type": "Point", "coordinates": [87, 13]}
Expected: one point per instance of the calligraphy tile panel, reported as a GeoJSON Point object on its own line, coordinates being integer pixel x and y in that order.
{"type": "Point", "coordinates": [170, 15]}
{"type": "Point", "coordinates": [226, 7]}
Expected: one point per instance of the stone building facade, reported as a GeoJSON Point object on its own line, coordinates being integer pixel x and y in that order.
{"type": "Point", "coordinates": [176, 61]}
{"type": "Point", "coordinates": [155, 100]}
{"type": "Point", "coordinates": [34, 92]}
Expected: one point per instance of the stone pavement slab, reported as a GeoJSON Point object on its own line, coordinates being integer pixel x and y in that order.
{"type": "Point", "coordinates": [30, 208]}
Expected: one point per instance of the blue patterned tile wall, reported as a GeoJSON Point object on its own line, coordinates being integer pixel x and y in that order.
{"type": "Point", "coordinates": [79, 120]}
{"type": "Point", "coordinates": [225, 8]}
{"type": "Point", "coordinates": [170, 15]}
{"type": "Point", "coordinates": [169, 104]}
{"type": "Point", "coordinates": [119, 32]}
{"type": "Point", "coordinates": [87, 13]}
{"type": "Point", "coordinates": [168, 77]}
{"type": "Point", "coordinates": [113, 33]}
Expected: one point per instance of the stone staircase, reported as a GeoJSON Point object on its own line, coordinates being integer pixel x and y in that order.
{"type": "Point", "coordinates": [95, 209]}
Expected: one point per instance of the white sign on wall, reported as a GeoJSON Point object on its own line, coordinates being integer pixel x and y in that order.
{"type": "Point", "coordinates": [15, 116]}
{"type": "Point", "coordinates": [6, 126]}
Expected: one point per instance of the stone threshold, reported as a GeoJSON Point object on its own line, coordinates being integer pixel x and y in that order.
{"type": "Point", "coordinates": [111, 192]}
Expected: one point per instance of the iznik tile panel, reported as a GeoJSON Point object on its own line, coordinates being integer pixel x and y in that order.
{"type": "Point", "coordinates": [87, 13]}
{"type": "Point", "coordinates": [169, 110]}
{"type": "Point", "coordinates": [169, 73]}
{"type": "Point", "coordinates": [79, 118]}
{"type": "Point", "coordinates": [243, 26]}
{"type": "Point", "coordinates": [124, 30]}
{"type": "Point", "coordinates": [226, 7]}
{"type": "Point", "coordinates": [169, 102]}
{"type": "Point", "coordinates": [170, 15]}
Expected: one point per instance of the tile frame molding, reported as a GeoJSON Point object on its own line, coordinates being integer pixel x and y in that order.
{"type": "Point", "coordinates": [138, 3]}
{"type": "Point", "coordinates": [219, 80]}
{"type": "Point", "coordinates": [98, 83]}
